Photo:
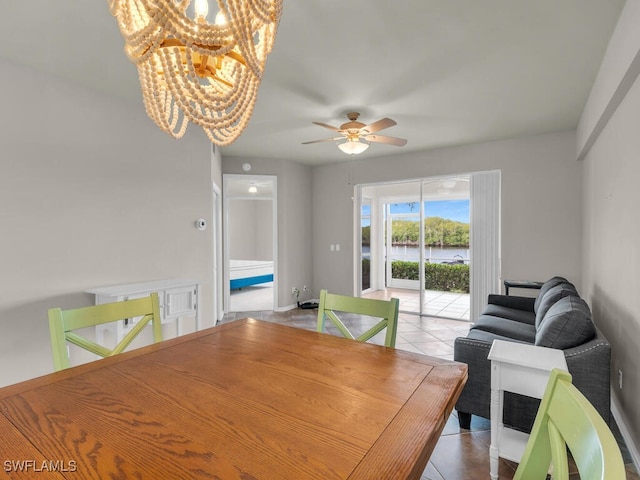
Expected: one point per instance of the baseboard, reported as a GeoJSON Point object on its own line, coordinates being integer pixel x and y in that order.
{"type": "Point", "coordinates": [285, 309]}
{"type": "Point", "coordinates": [621, 420]}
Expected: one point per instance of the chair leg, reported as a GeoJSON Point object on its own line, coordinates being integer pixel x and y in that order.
{"type": "Point", "coordinates": [464, 419]}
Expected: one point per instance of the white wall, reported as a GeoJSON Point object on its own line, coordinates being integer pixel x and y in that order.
{"type": "Point", "coordinates": [611, 277]}
{"type": "Point", "coordinates": [294, 220]}
{"type": "Point", "coordinates": [541, 204]}
{"type": "Point", "coordinates": [250, 229]}
{"type": "Point", "coordinates": [92, 193]}
{"type": "Point", "coordinates": [618, 71]}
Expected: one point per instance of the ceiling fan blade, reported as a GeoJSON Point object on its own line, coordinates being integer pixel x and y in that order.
{"type": "Point", "coordinates": [323, 140]}
{"type": "Point", "coordinates": [379, 125]}
{"type": "Point", "coordinates": [398, 142]}
{"type": "Point", "coordinates": [326, 125]}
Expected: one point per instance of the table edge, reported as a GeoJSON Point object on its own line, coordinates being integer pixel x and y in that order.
{"type": "Point", "coordinates": [53, 377]}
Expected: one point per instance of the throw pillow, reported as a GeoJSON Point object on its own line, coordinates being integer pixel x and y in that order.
{"type": "Point", "coordinates": [567, 324]}
{"type": "Point", "coordinates": [546, 286]}
{"type": "Point", "coordinates": [550, 298]}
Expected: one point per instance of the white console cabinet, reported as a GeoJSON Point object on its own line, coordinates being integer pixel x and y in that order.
{"type": "Point", "coordinates": [178, 306]}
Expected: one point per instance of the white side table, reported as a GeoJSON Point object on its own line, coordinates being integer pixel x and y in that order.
{"type": "Point", "coordinates": [517, 368]}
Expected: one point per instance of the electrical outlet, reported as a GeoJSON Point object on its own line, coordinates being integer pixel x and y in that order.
{"type": "Point", "coordinates": [620, 379]}
{"type": "Point", "coordinates": [305, 289]}
{"type": "Point", "coordinates": [295, 291]}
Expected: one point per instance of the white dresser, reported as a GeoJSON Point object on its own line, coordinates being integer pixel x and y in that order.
{"type": "Point", "coordinates": [178, 306]}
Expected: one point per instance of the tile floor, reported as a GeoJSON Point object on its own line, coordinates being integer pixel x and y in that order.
{"type": "Point", "coordinates": [460, 454]}
{"type": "Point", "coordinates": [255, 297]}
{"type": "Point", "coordinates": [439, 304]}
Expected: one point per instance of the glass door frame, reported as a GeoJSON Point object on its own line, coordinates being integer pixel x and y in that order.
{"type": "Point", "coordinates": [389, 219]}
{"type": "Point", "coordinates": [378, 279]}
{"type": "Point", "coordinates": [378, 247]}
{"type": "Point", "coordinates": [360, 257]}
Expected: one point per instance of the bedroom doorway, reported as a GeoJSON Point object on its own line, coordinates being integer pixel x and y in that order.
{"type": "Point", "coordinates": [250, 242]}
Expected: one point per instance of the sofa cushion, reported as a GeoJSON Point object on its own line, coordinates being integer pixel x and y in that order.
{"type": "Point", "coordinates": [546, 286]}
{"type": "Point", "coordinates": [506, 328]}
{"type": "Point", "coordinates": [488, 337]}
{"type": "Point", "coordinates": [550, 297]}
{"type": "Point", "coordinates": [512, 301]}
{"type": "Point", "coordinates": [567, 324]}
{"type": "Point", "coordinates": [516, 314]}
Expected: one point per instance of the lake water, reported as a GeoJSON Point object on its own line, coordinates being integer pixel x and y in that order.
{"type": "Point", "coordinates": [431, 254]}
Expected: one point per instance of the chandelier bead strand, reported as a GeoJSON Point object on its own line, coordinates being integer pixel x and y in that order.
{"type": "Point", "coordinates": [194, 71]}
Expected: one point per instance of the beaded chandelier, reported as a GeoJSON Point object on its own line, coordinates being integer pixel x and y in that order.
{"type": "Point", "coordinates": [195, 70]}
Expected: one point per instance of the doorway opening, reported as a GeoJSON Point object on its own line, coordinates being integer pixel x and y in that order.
{"type": "Point", "coordinates": [250, 242]}
{"type": "Point", "coordinates": [414, 244]}
{"type": "Point", "coordinates": [218, 301]}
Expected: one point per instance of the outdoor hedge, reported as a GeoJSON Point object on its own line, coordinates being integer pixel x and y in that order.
{"type": "Point", "coordinates": [438, 276]}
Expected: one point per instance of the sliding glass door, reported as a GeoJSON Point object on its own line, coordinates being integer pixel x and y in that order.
{"type": "Point", "coordinates": [403, 244]}
{"type": "Point", "coordinates": [365, 245]}
{"type": "Point", "coordinates": [390, 236]}
{"type": "Point", "coordinates": [446, 204]}
{"type": "Point", "coordinates": [417, 242]}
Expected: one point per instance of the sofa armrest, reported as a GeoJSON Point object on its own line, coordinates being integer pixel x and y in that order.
{"type": "Point", "coordinates": [519, 303]}
{"type": "Point", "coordinates": [477, 392]}
{"type": "Point", "coordinates": [589, 365]}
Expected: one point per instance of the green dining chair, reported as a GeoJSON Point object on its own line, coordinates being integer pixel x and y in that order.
{"type": "Point", "coordinates": [62, 324]}
{"type": "Point", "coordinates": [386, 310]}
{"type": "Point", "coordinates": [567, 419]}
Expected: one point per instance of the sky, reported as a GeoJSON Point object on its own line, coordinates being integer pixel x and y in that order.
{"type": "Point", "coordinates": [457, 210]}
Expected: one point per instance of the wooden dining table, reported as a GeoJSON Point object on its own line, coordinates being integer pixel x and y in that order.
{"type": "Point", "coordinates": [244, 400]}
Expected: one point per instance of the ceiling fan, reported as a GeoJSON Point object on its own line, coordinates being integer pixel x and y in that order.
{"type": "Point", "coordinates": [354, 131]}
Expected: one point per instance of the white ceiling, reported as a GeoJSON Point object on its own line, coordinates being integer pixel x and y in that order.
{"type": "Point", "coordinates": [449, 72]}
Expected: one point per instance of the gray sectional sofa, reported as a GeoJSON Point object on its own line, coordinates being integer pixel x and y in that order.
{"type": "Point", "coordinates": [557, 318]}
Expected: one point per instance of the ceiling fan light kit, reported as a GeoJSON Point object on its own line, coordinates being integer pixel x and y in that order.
{"type": "Point", "coordinates": [353, 147]}
{"type": "Point", "coordinates": [354, 132]}
{"type": "Point", "coordinates": [195, 70]}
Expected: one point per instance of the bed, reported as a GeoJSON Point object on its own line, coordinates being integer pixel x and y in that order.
{"type": "Point", "coordinates": [244, 273]}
